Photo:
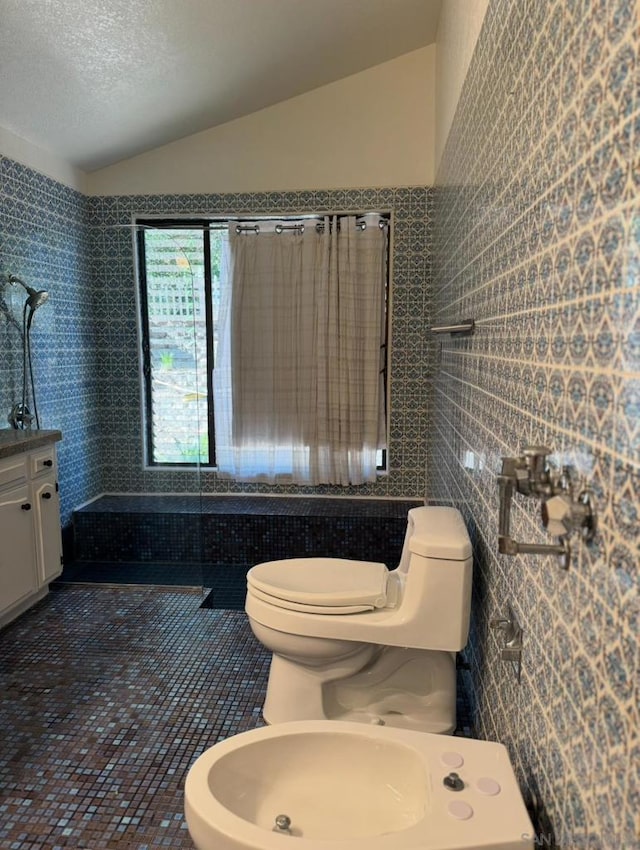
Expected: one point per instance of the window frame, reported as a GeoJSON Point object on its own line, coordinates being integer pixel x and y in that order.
{"type": "Point", "coordinates": [141, 224]}
{"type": "Point", "coordinates": [207, 224]}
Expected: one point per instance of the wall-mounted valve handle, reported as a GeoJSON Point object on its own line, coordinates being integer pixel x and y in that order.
{"type": "Point", "coordinates": [511, 638]}
{"type": "Point", "coordinates": [510, 628]}
{"type": "Point", "coordinates": [537, 471]}
{"type": "Point", "coordinates": [536, 457]}
{"type": "Point", "coordinates": [562, 515]}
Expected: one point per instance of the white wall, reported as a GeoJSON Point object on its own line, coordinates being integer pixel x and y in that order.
{"type": "Point", "coordinates": [20, 150]}
{"type": "Point", "coordinates": [375, 128]}
{"type": "Point", "coordinates": [458, 30]}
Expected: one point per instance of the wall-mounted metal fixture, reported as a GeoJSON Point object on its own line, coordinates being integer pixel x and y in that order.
{"type": "Point", "coordinates": [512, 636]}
{"type": "Point", "coordinates": [20, 416]}
{"type": "Point", "coordinates": [562, 512]}
{"type": "Point", "coordinates": [464, 328]}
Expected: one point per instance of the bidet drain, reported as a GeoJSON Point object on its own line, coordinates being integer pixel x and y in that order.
{"type": "Point", "coordinates": [283, 824]}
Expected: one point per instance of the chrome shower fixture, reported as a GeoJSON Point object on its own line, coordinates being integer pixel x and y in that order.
{"type": "Point", "coordinates": [20, 415]}
{"type": "Point", "coordinates": [562, 512]}
{"type": "Point", "coordinates": [36, 298]}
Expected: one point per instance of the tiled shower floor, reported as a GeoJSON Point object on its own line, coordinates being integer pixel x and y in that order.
{"type": "Point", "coordinates": [107, 695]}
{"type": "Point", "coordinates": [227, 582]}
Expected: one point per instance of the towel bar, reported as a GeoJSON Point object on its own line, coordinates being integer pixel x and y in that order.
{"type": "Point", "coordinates": [464, 328]}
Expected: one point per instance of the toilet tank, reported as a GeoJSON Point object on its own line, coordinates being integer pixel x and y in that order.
{"type": "Point", "coordinates": [438, 532]}
{"type": "Point", "coordinates": [437, 586]}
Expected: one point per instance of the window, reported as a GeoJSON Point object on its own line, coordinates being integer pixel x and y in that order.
{"type": "Point", "coordinates": [179, 272]}
{"type": "Point", "coordinates": [182, 282]}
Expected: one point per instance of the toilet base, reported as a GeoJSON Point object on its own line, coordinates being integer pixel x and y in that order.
{"type": "Point", "coordinates": [403, 688]}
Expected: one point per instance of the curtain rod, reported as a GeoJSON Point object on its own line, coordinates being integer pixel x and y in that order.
{"type": "Point", "coordinates": [279, 228]}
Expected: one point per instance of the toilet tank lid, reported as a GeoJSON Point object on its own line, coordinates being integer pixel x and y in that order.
{"type": "Point", "coordinates": [439, 532]}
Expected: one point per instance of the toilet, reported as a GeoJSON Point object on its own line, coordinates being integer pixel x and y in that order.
{"type": "Point", "coordinates": [326, 784]}
{"type": "Point", "coordinates": [355, 641]}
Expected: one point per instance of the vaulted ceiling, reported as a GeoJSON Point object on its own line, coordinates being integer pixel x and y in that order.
{"type": "Point", "coordinates": [97, 81]}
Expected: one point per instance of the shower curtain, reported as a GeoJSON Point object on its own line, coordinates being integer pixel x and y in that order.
{"type": "Point", "coordinates": [298, 387]}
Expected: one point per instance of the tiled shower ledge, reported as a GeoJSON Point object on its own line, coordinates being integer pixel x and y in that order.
{"type": "Point", "coordinates": [241, 530]}
{"type": "Point", "coordinates": [250, 505]}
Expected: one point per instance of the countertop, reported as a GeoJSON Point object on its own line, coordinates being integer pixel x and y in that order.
{"type": "Point", "coordinates": [13, 442]}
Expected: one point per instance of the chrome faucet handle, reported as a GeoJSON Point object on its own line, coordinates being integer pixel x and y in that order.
{"type": "Point", "coordinates": [562, 514]}
{"type": "Point", "coordinates": [511, 653]}
{"type": "Point", "coordinates": [508, 625]}
{"type": "Point", "coordinates": [511, 649]}
{"type": "Point", "coordinates": [536, 454]}
{"type": "Point", "coordinates": [535, 459]}
{"type": "Point", "coordinates": [557, 515]}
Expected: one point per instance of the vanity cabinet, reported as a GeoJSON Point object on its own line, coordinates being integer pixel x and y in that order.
{"type": "Point", "coordinates": [30, 538]}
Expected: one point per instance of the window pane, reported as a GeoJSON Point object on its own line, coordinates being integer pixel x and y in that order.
{"type": "Point", "coordinates": [177, 345]}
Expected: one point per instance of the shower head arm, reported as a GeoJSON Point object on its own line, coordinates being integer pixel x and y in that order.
{"type": "Point", "coordinates": [13, 279]}
{"type": "Point", "coordinates": [35, 298]}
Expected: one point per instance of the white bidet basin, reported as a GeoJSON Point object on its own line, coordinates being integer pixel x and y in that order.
{"type": "Point", "coordinates": [325, 785]}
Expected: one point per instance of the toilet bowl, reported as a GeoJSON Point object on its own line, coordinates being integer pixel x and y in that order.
{"type": "Point", "coordinates": [342, 784]}
{"type": "Point", "coordinates": [353, 640]}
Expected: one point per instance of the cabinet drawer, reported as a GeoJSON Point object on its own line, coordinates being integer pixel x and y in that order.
{"type": "Point", "coordinates": [13, 471]}
{"type": "Point", "coordinates": [42, 461]}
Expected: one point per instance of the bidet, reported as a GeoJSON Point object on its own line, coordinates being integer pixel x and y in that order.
{"type": "Point", "coordinates": [327, 784]}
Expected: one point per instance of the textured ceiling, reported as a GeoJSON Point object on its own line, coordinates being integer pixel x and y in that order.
{"type": "Point", "coordinates": [96, 81]}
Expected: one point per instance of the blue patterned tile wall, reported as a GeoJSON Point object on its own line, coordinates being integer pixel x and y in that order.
{"type": "Point", "coordinates": [537, 236]}
{"type": "Point", "coordinates": [44, 241]}
{"type": "Point", "coordinates": [85, 341]}
{"type": "Point", "coordinates": [117, 347]}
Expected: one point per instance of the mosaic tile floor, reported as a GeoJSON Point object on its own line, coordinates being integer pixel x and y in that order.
{"type": "Point", "coordinates": [107, 695]}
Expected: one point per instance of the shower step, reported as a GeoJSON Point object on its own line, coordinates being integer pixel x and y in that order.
{"type": "Point", "coordinates": [226, 583]}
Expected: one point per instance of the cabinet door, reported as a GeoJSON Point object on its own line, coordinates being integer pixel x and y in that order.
{"type": "Point", "coordinates": [17, 555]}
{"type": "Point", "coordinates": [48, 538]}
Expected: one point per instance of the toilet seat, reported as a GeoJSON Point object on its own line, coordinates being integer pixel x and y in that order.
{"type": "Point", "coordinates": [323, 585]}
{"type": "Point", "coordinates": [308, 609]}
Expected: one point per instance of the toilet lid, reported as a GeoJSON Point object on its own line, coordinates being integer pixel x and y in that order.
{"type": "Point", "coordinates": [322, 582]}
